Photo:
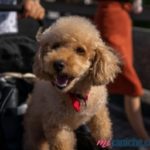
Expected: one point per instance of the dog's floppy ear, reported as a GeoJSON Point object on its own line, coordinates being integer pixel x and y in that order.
{"type": "Point", "coordinates": [38, 60]}
{"type": "Point", "coordinates": [39, 34]}
{"type": "Point", "coordinates": [38, 68]}
{"type": "Point", "coordinates": [38, 64]}
{"type": "Point", "coordinates": [105, 66]}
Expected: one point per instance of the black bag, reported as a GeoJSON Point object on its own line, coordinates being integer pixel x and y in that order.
{"type": "Point", "coordinates": [13, 94]}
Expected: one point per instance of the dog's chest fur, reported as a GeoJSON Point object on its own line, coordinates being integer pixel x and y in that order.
{"type": "Point", "coordinates": [54, 105]}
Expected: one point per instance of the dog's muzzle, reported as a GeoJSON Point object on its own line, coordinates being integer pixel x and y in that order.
{"type": "Point", "coordinates": [58, 66]}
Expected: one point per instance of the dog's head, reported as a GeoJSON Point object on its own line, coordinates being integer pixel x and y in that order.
{"type": "Point", "coordinates": [71, 50]}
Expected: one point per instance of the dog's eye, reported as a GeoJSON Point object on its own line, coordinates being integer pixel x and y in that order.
{"type": "Point", "coordinates": [56, 45]}
{"type": "Point", "coordinates": [80, 50]}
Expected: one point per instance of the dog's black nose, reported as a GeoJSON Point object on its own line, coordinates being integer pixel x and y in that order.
{"type": "Point", "coordinates": [58, 65]}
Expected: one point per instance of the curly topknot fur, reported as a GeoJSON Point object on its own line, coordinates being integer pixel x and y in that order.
{"type": "Point", "coordinates": [72, 58]}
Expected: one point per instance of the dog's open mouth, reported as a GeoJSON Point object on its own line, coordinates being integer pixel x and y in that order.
{"type": "Point", "coordinates": [62, 80]}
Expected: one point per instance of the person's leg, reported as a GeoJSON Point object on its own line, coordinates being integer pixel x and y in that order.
{"type": "Point", "coordinates": [118, 34]}
{"type": "Point", "coordinates": [134, 115]}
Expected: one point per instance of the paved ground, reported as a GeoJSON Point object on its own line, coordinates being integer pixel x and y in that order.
{"type": "Point", "coordinates": [142, 55]}
{"type": "Point", "coordinates": [121, 126]}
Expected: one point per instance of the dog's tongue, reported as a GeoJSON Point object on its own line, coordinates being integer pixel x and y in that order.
{"type": "Point", "coordinates": [62, 79]}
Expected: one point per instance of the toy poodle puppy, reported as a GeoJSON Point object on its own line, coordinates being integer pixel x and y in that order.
{"type": "Point", "coordinates": [73, 65]}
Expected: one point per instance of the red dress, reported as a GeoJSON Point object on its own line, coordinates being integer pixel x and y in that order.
{"type": "Point", "coordinates": [113, 21]}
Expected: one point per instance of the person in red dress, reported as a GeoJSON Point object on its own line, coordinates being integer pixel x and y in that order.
{"type": "Point", "coordinates": [113, 20]}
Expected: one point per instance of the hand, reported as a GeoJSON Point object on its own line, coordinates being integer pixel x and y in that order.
{"type": "Point", "coordinates": [33, 9]}
{"type": "Point", "coordinates": [137, 6]}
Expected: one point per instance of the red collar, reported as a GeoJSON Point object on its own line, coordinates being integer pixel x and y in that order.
{"type": "Point", "coordinates": [76, 100]}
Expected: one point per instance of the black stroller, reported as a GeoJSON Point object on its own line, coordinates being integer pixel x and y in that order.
{"type": "Point", "coordinates": [16, 57]}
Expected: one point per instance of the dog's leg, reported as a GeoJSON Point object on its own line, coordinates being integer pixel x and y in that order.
{"type": "Point", "coordinates": [30, 142]}
{"type": "Point", "coordinates": [100, 125]}
{"type": "Point", "coordinates": [60, 139]}
{"type": "Point", "coordinates": [33, 138]}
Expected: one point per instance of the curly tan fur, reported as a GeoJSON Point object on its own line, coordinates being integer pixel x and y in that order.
{"type": "Point", "coordinates": [51, 119]}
